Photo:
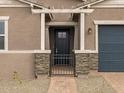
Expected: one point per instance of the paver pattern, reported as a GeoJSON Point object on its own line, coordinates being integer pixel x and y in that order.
{"type": "Point", "coordinates": [66, 84]}
{"type": "Point", "coordinates": [62, 84]}
{"type": "Point", "coordinates": [115, 79]}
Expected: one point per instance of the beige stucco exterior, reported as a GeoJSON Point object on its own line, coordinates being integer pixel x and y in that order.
{"type": "Point", "coordinates": [24, 33]}
{"type": "Point", "coordinates": [24, 27]}
{"type": "Point", "coordinates": [99, 14]}
{"type": "Point", "coordinates": [22, 63]}
{"type": "Point", "coordinates": [23, 30]}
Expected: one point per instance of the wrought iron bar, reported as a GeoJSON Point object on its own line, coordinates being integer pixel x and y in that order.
{"type": "Point", "coordinates": [62, 64]}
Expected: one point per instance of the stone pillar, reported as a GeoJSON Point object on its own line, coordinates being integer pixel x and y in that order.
{"type": "Point", "coordinates": [42, 61]}
{"type": "Point", "coordinates": [93, 61]}
{"type": "Point", "coordinates": [82, 66]}
{"type": "Point", "coordinates": [86, 62]}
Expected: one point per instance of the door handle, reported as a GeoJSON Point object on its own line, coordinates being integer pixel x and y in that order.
{"type": "Point", "coordinates": [56, 50]}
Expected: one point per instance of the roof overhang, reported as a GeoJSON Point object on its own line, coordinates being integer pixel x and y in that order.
{"type": "Point", "coordinates": [89, 4]}
{"type": "Point", "coordinates": [33, 4]}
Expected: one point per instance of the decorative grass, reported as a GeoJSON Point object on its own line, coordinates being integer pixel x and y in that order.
{"type": "Point", "coordinates": [31, 86]}
{"type": "Point", "coordinates": [93, 84]}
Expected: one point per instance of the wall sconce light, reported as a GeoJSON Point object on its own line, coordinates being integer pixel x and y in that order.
{"type": "Point", "coordinates": [89, 30]}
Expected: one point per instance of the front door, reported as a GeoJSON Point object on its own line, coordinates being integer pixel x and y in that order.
{"type": "Point", "coordinates": [61, 41]}
{"type": "Point", "coordinates": [62, 46]}
{"type": "Point", "coordinates": [62, 58]}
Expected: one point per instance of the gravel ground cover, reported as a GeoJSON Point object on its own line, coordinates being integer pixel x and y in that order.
{"type": "Point", "coordinates": [93, 84]}
{"type": "Point", "coordinates": [25, 86]}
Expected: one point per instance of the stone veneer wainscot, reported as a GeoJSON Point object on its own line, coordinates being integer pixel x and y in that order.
{"type": "Point", "coordinates": [86, 62]}
{"type": "Point", "coordinates": [42, 61]}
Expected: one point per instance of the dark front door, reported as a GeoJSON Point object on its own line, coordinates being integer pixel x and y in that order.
{"type": "Point", "coordinates": [61, 41]}
{"type": "Point", "coordinates": [62, 57]}
{"type": "Point", "coordinates": [62, 46]}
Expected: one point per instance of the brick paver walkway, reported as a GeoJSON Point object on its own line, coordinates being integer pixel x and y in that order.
{"type": "Point", "coordinates": [62, 84]}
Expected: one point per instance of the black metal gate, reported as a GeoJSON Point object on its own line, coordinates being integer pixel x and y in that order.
{"type": "Point", "coordinates": [62, 58]}
{"type": "Point", "coordinates": [62, 64]}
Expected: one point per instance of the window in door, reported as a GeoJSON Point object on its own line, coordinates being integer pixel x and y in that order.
{"type": "Point", "coordinates": [61, 34]}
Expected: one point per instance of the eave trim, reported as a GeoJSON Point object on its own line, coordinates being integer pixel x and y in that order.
{"type": "Point", "coordinates": [33, 4]}
{"type": "Point", "coordinates": [89, 4]}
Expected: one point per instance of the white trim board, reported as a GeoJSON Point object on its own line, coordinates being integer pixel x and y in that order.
{"type": "Point", "coordinates": [105, 22]}
{"type": "Point", "coordinates": [4, 18]}
{"type": "Point", "coordinates": [108, 6]}
{"type": "Point", "coordinates": [89, 4]}
{"type": "Point", "coordinates": [109, 22]}
{"type": "Point", "coordinates": [41, 51]}
{"type": "Point", "coordinates": [32, 3]}
{"type": "Point", "coordinates": [85, 51]}
{"type": "Point", "coordinates": [61, 23]}
{"type": "Point", "coordinates": [14, 6]}
{"type": "Point", "coordinates": [25, 51]}
{"type": "Point", "coordinates": [42, 31]}
{"type": "Point", "coordinates": [62, 11]}
{"type": "Point", "coordinates": [82, 31]}
{"type": "Point", "coordinates": [6, 34]}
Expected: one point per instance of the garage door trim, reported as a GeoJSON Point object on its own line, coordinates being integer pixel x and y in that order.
{"type": "Point", "coordinates": [104, 22]}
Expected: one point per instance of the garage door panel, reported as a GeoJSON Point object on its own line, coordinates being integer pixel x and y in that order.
{"type": "Point", "coordinates": [111, 56]}
{"type": "Point", "coordinates": [115, 39]}
{"type": "Point", "coordinates": [110, 33]}
{"type": "Point", "coordinates": [111, 48]}
{"type": "Point", "coordinates": [111, 29]}
{"type": "Point", "coordinates": [111, 66]}
{"type": "Point", "coordinates": [112, 62]}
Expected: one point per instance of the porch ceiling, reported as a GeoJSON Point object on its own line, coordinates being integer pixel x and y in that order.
{"type": "Point", "coordinates": [61, 17]}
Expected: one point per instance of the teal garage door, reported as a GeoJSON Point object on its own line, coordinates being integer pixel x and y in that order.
{"type": "Point", "coordinates": [111, 48]}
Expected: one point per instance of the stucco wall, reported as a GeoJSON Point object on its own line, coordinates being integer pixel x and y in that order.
{"type": "Point", "coordinates": [42, 63]}
{"type": "Point", "coordinates": [99, 14]}
{"type": "Point", "coordinates": [77, 37]}
{"type": "Point", "coordinates": [23, 64]}
{"type": "Point", "coordinates": [24, 28]}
